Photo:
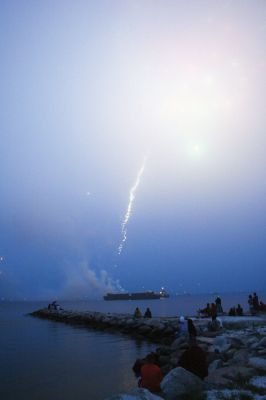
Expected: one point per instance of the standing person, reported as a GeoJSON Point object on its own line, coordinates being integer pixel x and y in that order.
{"type": "Point", "coordinates": [255, 301]}
{"type": "Point", "coordinates": [250, 303]}
{"type": "Point", "coordinates": [239, 310]}
{"type": "Point", "coordinates": [213, 311]}
{"type": "Point", "coordinates": [151, 374]}
{"type": "Point", "coordinates": [218, 303]}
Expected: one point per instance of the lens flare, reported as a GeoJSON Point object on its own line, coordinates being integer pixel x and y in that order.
{"type": "Point", "coordinates": [132, 195]}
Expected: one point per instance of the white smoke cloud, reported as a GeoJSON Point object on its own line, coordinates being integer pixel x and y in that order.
{"type": "Point", "coordinates": [82, 281]}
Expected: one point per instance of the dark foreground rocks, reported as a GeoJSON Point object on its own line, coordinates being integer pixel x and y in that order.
{"type": "Point", "coordinates": [236, 367]}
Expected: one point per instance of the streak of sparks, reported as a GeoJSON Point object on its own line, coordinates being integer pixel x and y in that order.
{"type": "Point", "coordinates": [132, 195]}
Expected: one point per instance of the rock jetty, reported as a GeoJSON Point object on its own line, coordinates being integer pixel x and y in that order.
{"type": "Point", "coordinates": [236, 354]}
{"type": "Point", "coordinates": [156, 330]}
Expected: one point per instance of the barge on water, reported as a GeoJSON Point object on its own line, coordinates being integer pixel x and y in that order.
{"type": "Point", "coordinates": [150, 295]}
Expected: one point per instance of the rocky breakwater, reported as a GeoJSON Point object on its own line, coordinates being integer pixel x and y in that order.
{"type": "Point", "coordinates": [236, 355]}
{"type": "Point", "coordinates": [158, 330]}
{"type": "Point", "coordinates": [236, 360]}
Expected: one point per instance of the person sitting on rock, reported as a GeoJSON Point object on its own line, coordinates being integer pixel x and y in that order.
{"type": "Point", "coordinates": [194, 360]}
{"type": "Point", "coordinates": [232, 312]}
{"type": "Point", "coordinates": [213, 311]}
{"type": "Point", "coordinates": [147, 313]}
{"type": "Point", "coordinates": [239, 310]}
{"type": "Point", "coordinates": [205, 311]}
{"type": "Point", "coordinates": [215, 324]}
{"type": "Point", "coordinates": [262, 306]}
{"type": "Point", "coordinates": [151, 374]}
{"type": "Point", "coordinates": [192, 331]}
{"type": "Point", "coordinates": [54, 306]}
{"type": "Point", "coordinates": [183, 327]}
{"type": "Point", "coordinates": [137, 313]}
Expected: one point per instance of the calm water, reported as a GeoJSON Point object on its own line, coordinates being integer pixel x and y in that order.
{"type": "Point", "coordinates": [41, 359]}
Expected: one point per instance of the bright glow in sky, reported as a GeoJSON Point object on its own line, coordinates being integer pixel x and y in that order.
{"type": "Point", "coordinates": [86, 89]}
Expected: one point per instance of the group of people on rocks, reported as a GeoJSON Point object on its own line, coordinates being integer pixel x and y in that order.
{"type": "Point", "coordinates": [54, 306]}
{"type": "Point", "coordinates": [236, 311]}
{"type": "Point", "coordinates": [212, 310]}
{"type": "Point", "coordinates": [254, 304]}
{"type": "Point", "coordinates": [193, 359]}
{"type": "Point", "coordinates": [138, 314]}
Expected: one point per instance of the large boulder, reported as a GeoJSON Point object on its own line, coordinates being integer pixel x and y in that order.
{"type": "Point", "coordinates": [231, 394]}
{"type": "Point", "coordinates": [136, 394]}
{"type": "Point", "coordinates": [240, 357]}
{"type": "Point", "coordinates": [177, 343]}
{"type": "Point", "coordinates": [258, 363]}
{"type": "Point", "coordinates": [258, 382]}
{"type": "Point", "coordinates": [222, 377]}
{"type": "Point", "coordinates": [144, 329]}
{"type": "Point", "coordinates": [179, 382]}
{"type": "Point", "coordinates": [262, 342]}
{"type": "Point", "coordinates": [215, 364]}
{"type": "Point", "coordinates": [221, 344]}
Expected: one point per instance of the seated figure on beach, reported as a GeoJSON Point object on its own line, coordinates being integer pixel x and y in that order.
{"type": "Point", "coordinates": [215, 324]}
{"type": "Point", "coordinates": [147, 313]}
{"type": "Point", "coordinates": [262, 306]}
{"type": "Point", "coordinates": [205, 311]}
{"type": "Point", "coordinates": [194, 360]}
{"type": "Point", "coordinates": [137, 313]}
{"type": "Point", "coordinates": [54, 306]}
{"type": "Point", "coordinates": [150, 374]}
{"type": "Point", "coordinates": [239, 310]}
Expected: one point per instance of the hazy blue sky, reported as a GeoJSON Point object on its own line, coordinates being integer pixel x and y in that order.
{"type": "Point", "coordinates": [163, 98]}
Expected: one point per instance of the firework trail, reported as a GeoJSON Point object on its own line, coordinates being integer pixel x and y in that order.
{"type": "Point", "coordinates": [132, 195]}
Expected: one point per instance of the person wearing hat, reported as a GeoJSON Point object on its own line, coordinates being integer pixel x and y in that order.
{"type": "Point", "coordinates": [182, 327]}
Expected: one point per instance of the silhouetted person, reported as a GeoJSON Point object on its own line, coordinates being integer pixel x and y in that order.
{"type": "Point", "coordinates": [147, 313]}
{"type": "Point", "coordinates": [137, 313]}
{"type": "Point", "coordinates": [250, 303]}
{"type": "Point", "coordinates": [218, 303]}
{"type": "Point", "coordinates": [151, 374]}
{"type": "Point", "coordinates": [232, 312]}
{"type": "Point", "coordinates": [255, 301]}
{"type": "Point", "coordinates": [192, 331]}
{"type": "Point", "coordinates": [194, 360]}
{"type": "Point", "coordinates": [213, 311]}
{"type": "Point", "coordinates": [206, 311]}
{"type": "Point", "coordinates": [239, 310]}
